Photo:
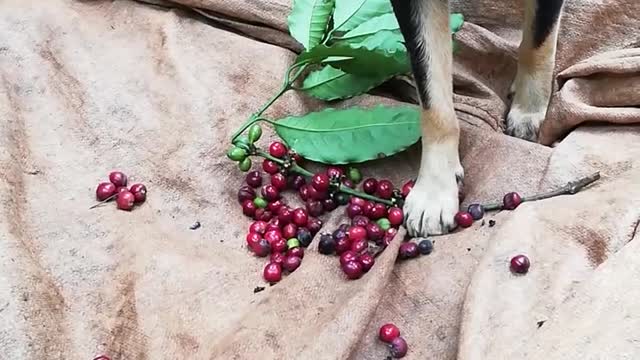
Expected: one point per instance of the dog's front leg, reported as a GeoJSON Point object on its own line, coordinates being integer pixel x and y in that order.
{"type": "Point", "coordinates": [432, 204]}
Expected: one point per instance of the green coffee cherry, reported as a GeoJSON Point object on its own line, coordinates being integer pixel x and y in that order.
{"type": "Point", "coordinates": [245, 164]}
{"type": "Point", "coordinates": [354, 175]}
{"type": "Point", "coordinates": [237, 154]}
{"type": "Point", "coordinates": [384, 224]}
{"type": "Point", "coordinates": [242, 142]}
{"type": "Point", "coordinates": [255, 131]}
{"type": "Point", "coordinates": [293, 243]}
{"type": "Point", "coordinates": [260, 202]}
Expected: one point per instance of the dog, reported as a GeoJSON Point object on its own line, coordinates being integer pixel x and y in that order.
{"type": "Point", "coordinates": [433, 202]}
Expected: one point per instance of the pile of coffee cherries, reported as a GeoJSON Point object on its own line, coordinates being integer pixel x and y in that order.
{"type": "Point", "coordinates": [117, 188]}
{"type": "Point", "coordinates": [390, 334]}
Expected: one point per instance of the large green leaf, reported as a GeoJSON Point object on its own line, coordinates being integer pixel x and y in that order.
{"type": "Point", "coordinates": [330, 83]}
{"type": "Point", "coordinates": [380, 55]}
{"type": "Point", "coordinates": [352, 135]}
{"type": "Point", "coordinates": [309, 19]}
{"type": "Point", "coordinates": [372, 26]}
{"type": "Point", "coordinates": [351, 13]}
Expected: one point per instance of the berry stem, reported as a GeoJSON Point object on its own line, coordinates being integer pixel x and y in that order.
{"type": "Point", "coordinates": [570, 188]}
{"type": "Point", "coordinates": [104, 201]}
{"type": "Point", "coordinates": [350, 191]}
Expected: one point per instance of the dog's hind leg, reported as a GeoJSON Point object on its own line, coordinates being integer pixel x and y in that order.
{"type": "Point", "coordinates": [531, 89]}
{"type": "Point", "coordinates": [433, 202]}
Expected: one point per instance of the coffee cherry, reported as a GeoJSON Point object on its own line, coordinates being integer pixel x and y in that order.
{"type": "Point", "coordinates": [326, 245]}
{"type": "Point", "coordinates": [399, 347]}
{"type": "Point", "coordinates": [237, 154]}
{"type": "Point", "coordinates": [343, 245]}
{"type": "Point", "coordinates": [388, 332]}
{"type": "Point", "coordinates": [425, 247]}
{"type": "Point", "coordinates": [359, 220]}
{"type": "Point", "coordinates": [353, 270]}
{"type": "Point", "coordinates": [408, 250]}
{"type": "Point", "coordinates": [300, 217]}
{"type": "Point", "coordinates": [263, 214]}
{"type": "Point", "coordinates": [277, 258]}
{"type": "Point", "coordinates": [344, 227]}
{"type": "Point", "coordinates": [261, 203]}
{"type": "Point", "coordinates": [279, 245]}
{"type": "Point", "coordinates": [354, 175]}
{"type": "Point", "coordinates": [258, 227]}
{"type": "Point", "coordinates": [347, 256]}
{"type": "Point", "coordinates": [463, 219]}
{"type": "Point", "coordinates": [396, 216]}
{"type": "Point", "coordinates": [272, 273]}
{"type": "Point", "coordinates": [105, 190]}
{"type": "Point", "coordinates": [353, 210]}
{"type": "Point", "coordinates": [476, 211]}
{"type": "Point", "coordinates": [139, 192]}
{"type": "Point", "coordinates": [320, 182]}
{"type": "Point", "coordinates": [334, 172]}
{"type": "Point", "coordinates": [378, 211]}
{"type": "Point", "coordinates": [261, 248]}
{"type": "Point", "coordinates": [339, 234]}
{"type": "Point", "coordinates": [358, 201]}
{"type": "Point", "coordinates": [305, 237]}
{"type": "Point", "coordinates": [304, 192]}
{"type": "Point", "coordinates": [296, 251]}
{"type": "Point", "coordinates": [277, 149]}
{"type": "Point", "coordinates": [329, 205]}
{"type": "Point", "coordinates": [120, 189]}
{"type": "Point", "coordinates": [341, 198]}
{"type": "Point", "coordinates": [314, 207]}
{"type": "Point", "coordinates": [270, 193]}
{"type": "Point", "coordinates": [246, 193]}
{"type": "Point", "coordinates": [314, 225]}
{"type": "Point", "coordinates": [285, 215]}
{"type": "Point", "coordinates": [279, 181]}
{"type": "Point", "coordinates": [389, 235]}
{"type": "Point", "coordinates": [291, 263]}
{"type": "Point", "coordinates": [367, 209]}
{"type": "Point", "coordinates": [357, 233]}
{"type": "Point", "coordinates": [249, 208]}
{"type": "Point", "coordinates": [314, 194]}
{"type": "Point", "coordinates": [275, 206]}
{"type": "Point", "coordinates": [245, 164]}
{"type": "Point", "coordinates": [384, 189]}
{"type": "Point", "coordinates": [384, 224]}
{"type": "Point", "coordinates": [366, 260]}
{"type": "Point", "coordinates": [273, 235]}
{"type": "Point", "coordinates": [255, 131]}
{"type": "Point", "coordinates": [406, 188]}
{"type": "Point", "coordinates": [374, 232]}
{"type": "Point", "coordinates": [270, 167]}
{"type": "Point", "coordinates": [348, 183]}
{"type": "Point", "coordinates": [511, 201]}
{"type": "Point", "coordinates": [520, 264]}
{"type": "Point", "coordinates": [125, 200]}
{"type": "Point", "coordinates": [274, 225]}
{"type": "Point", "coordinates": [289, 231]}
{"type": "Point", "coordinates": [359, 246]}
{"type": "Point", "coordinates": [118, 178]}
{"type": "Point", "coordinates": [293, 243]}
{"type": "Point", "coordinates": [253, 238]}
{"type": "Point", "coordinates": [370, 186]}
{"type": "Point", "coordinates": [296, 182]}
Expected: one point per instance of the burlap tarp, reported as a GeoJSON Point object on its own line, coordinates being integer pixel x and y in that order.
{"type": "Point", "coordinates": [157, 89]}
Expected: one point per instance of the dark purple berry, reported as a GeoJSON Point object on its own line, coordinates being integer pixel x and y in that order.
{"type": "Point", "coordinates": [314, 207]}
{"type": "Point", "coordinates": [314, 225]}
{"type": "Point", "coordinates": [359, 220]}
{"type": "Point", "coordinates": [367, 261]}
{"type": "Point", "coordinates": [511, 201]}
{"type": "Point", "coordinates": [347, 256]}
{"type": "Point", "coordinates": [339, 234]}
{"type": "Point", "coordinates": [353, 270]}
{"type": "Point", "coordinates": [425, 247]}
{"type": "Point", "coordinates": [520, 264]}
{"type": "Point", "coordinates": [254, 179]}
{"type": "Point", "coordinates": [359, 246]}
{"type": "Point", "coordinates": [374, 231]}
{"type": "Point", "coordinates": [341, 198]}
{"type": "Point", "coordinates": [270, 193]}
{"type": "Point", "coordinates": [408, 250]}
{"type": "Point", "coordinates": [285, 214]}
{"type": "Point", "coordinates": [320, 182]}
{"type": "Point", "coordinates": [370, 186]}
{"type": "Point", "coordinates": [384, 189]}
{"type": "Point", "coordinates": [296, 251]}
{"type": "Point", "coordinates": [326, 245]}
{"type": "Point", "coordinates": [314, 194]}
{"type": "Point", "coordinates": [378, 211]}
{"type": "Point", "coordinates": [305, 237]}
{"type": "Point", "coordinates": [291, 263]}
{"type": "Point", "coordinates": [476, 211]}
{"type": "Point", "coordinates": [246, 193]}
{"type": "Point", "coordinates": [353, 210]}
{"type": "Point", "coordinates": [343, 245]}
{"type": "Point", "coordinates": [269, 166]}
{"type": "Point", "coordinates": [329, 205]}
{"type": "Point", "coordinates": [296, 182]}
{"type": "Point", "coordinates": [398, 347]}
{"type": "Point", "coordinates": [334, 172]}
{"type": "Point", "coordinates": [304, 192]}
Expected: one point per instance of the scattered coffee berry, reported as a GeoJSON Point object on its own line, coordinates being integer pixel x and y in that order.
{"type": "Point", "coordinates": [354, 175]}
{"type": "Point", "coordinates": [296, 182]}
{"type": "Point", "coordinates": [334, 172]}
{"type": "Point", "coordinates": [246, 193]}
{"type": "Point", "coordinates": [253, 238]}
{"type": "Point", "coordinates": [406, 188]}
{"type": "Point", "coordinates": [520, 264]}
{"type": "Point", "coordinates": [300, 217]}
{"type": "Point", "coordinates": [293, 243]}
{"type": "Point", "coordinates": [279, 181]}
{"type": "Point", "coordinates": [385, 189]}
{"type": "Point", "coordinates": [305, 237]}
{"type": "Point", "coordinates": [277, 258]}
{"type": "Point", "coordinates": [270, 167]}
{"type": "Point", "coordinates": [358, 201]}
{"type": "Point", "coordinates": [341, 198]}
{"type": "Point", "coordinates": [261, 248]}
{"type": "Point", "coordinates": [399, 347]}
{"type": "Point", "coordinates": [291, 263]}
{"type": "Point", "coordinates": [343, 245]}
{"type": "Point", "coordinates": [425, 247]}
{"type": "Point", "coordinates": [388, 332]}
{"type": "Point", "coordinates": [314, 207]}
{"type": "Point", "coordinates": [511, 201]}
{"type": "Point", "coordinates": [272, 273]}
{"type": "Point", "coordinates": [273, 235]}
{"type": "Point", "coordinates": [254, 179]}
{"type": "Point", "coordinates": [396, 216]}
{"type": "Point", "coordinates": [277, 149]}
{"type": "Point", "coordinates": [366, 260]}
{"type": "Point", "coordinates": [249, 208]}
{"type": "Point", "coordinates": [274, 225]}
{"type": "Point", "coordinates": [279, 245]}
{"type": "Point", "coordinates": [260, 203]}
{"type": "Point", "coordinates": [357, 233]}
{"type": "Point", "coordinates": [270, 193]}
{"type": "Point", "coordinates": [340, 233]}
{"type": "Point", "coordinates": [326, 245]}
{"type": "Point", "coordinates": [275, 206]}
{"type": "Point", "coordinates": [263, 214]}
{"type": "Point", "coordinates": [289, 231]}
{"type": "Point", "coordinates": [384, 223]}
{"type": "Point", "coordinates": [476, 211]}
{"type": "Point", "coordinates": [320, 182]}
{"type": "Point", "coordinates": [329, 205]}
{"type": "Point", "coordinates": [359, 220]}
{"type": "Point", "coordinates": [296, 251]}
{"type": "Point", "coordinates": [314, 225]}
{"type": "Point", "coordinates": [353, 210]}
{"type": "Point", "coordinates": [463, 219]}
{"type": "Point", "coordinates": [105, 190]}
{"type": "Point", "coordinates": [359, 246]}
{"type": "Point", "coordinates": [353, 270]}
{"type": "Point", "coordinates": [347, 256]}
{"type": "Point", "coordinates": [370, 186]}
{"type": "Point", "coordinates": [118, 178]}
{"type": "Point", "coordinates": [374, 231]}
{"type": "Point", "coordinates": [367, 209]}
{"type": "Point", "coordinates": [408, 250]}
{"type": "Point", "coordinates": [139, 192]}
{"type": "Point", "coordinates": [378, 211]}
{"type": "Point", "coordinates": [317, 195]}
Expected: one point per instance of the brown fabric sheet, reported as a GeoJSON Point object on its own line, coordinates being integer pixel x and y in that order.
{"type": "Point", "coordinates": [86, 87]}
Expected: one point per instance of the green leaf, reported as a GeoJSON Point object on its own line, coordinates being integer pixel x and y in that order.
{"type": "Point", "coordinates": [372, 26]}
{"type": "Point", "coordinates": [380, 55]}
{"type": "Point", "coordinates": [330, 84]}
{"type": "Point", "coordinates": [352, 135]}
{"type": "Point", "coordinates": [309, 19]}
{"type": "Point", "coordinates": [351, 13]}
{"type": "Point", "coordinates": [455, 22]}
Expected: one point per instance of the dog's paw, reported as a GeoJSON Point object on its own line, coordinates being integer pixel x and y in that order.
{"type": "Point", "coordinates": [525, 124]}
{"type": "Point", "coordinates": [432, 204]}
